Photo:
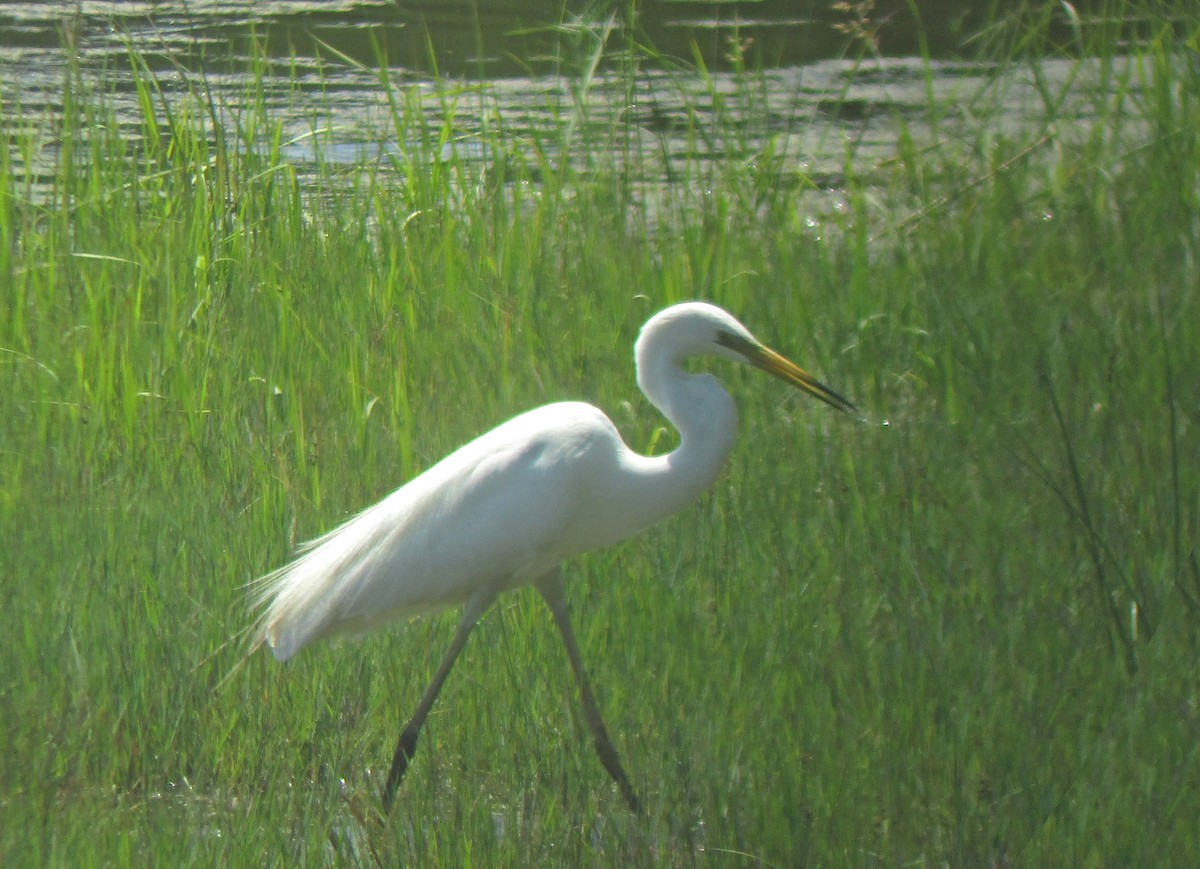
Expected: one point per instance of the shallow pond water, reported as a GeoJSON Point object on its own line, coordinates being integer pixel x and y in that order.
{"type": "Point", "coordinates": [313, 68]}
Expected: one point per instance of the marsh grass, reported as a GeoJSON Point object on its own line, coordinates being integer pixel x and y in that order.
{"type": "Point", "coordinates": [968, 636]}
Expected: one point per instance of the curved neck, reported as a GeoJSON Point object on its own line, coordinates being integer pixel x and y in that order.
{"type": "Point", "coordinates": [706, 418]}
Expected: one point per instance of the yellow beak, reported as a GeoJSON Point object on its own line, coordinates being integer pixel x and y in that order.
{"type": "Point", "coordinates": [785, 369]}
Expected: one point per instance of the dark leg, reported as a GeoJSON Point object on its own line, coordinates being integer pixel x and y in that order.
{"type": "Point", "coordinates": [552, 590]}
{"type": "Point", "coordinates": [407, 745]}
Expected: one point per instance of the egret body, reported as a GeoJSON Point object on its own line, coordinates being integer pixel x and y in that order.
{"type": "Point", "coordinates": [509, 507]}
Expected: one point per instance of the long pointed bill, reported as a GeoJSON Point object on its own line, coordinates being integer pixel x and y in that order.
{"type": "Point", "coordinates": [785, 369]}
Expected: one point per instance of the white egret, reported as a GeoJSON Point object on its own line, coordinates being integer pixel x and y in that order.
{"type": "Point", "coordinates": [506, 509]}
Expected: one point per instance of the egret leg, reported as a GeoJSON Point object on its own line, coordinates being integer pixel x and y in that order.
{"type": "Point", "coordinates": [551, 589]}
{"type": "Point", "coordinates": [407, 746]}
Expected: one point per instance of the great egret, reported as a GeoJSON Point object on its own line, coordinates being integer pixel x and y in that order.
{"type": "Point", "coordinates": [506, 509]}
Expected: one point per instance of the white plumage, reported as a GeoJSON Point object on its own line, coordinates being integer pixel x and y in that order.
{"type": "Point", "coordinates": [506, 509]}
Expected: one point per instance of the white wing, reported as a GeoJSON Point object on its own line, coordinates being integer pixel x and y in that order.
{"type": "Point", "coordinates": [500, 512]}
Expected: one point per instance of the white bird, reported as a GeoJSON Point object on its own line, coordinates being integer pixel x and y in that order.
{"type": "Point", "coordinates": [506, 509]}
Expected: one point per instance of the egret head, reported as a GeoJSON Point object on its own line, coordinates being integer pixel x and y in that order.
{"type": "Point", "coordinates": [701, 329]}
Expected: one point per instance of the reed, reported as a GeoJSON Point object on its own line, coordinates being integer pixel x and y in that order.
{"type": "Point", "coordinates": [968, 636]}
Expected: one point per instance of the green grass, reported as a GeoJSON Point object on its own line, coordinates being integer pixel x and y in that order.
{"type": "Point", "coordinates": [968, 637]}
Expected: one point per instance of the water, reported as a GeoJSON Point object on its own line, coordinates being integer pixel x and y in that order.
{"type": "Point", "coordinates": [527, 68]}
{"type": "Point", "coordinates": [478, 38]}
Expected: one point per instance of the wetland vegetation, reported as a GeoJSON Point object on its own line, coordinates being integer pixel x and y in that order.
{"type": "Point", "coordinates": [965, 632]}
